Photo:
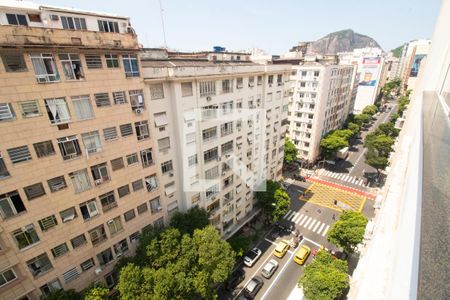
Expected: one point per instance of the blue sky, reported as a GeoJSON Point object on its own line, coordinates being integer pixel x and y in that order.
{"type": "Point", "coordinates": [274, 26]}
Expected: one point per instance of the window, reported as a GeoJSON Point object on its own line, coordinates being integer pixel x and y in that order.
{"type": "Point", "coordinates": [209, 134]}
{"type": "Point", "coordinates": [70, 275]}
{"type": "Point", "coordinates": [239, 83]}
{"type": "Point", "coordinates": [6, 112]}
{"type": "Point", "coordinates": [121, 247]}
{"type": "Point", "coordinates": [78, 241]}
{"type": "Point", "coordinates": [14, 62]}
{"type": "Point", "coordinates": [44, 149]}
{"type": "Point", "coordinates": [34, 191]}
{"type": "Point", "coordinates": [117, 164]}
{"type": "Point", "coordinates": [227, 147]}
{"type": "Point", "coordinates": [108, 26]}
{"type": "Point", "coordinates": [136, 99]}
{"type": "Point", "coordinates": [226, 129]}
{"type": "Point", "coordinates": [105, 257]}
{"type": "Point", "coordinates": [129, 215]}
{"type": "Point", "coordinates": [57, 110]}
{"type": "Point", "coordinates": [68, 215]}
{"type": "Point", "coordinates": [11, 204]}
{"type": "Point", "coordinates": [186, 89]}
{"type": "Point", "coordinates": [108, 201]}
{"type": "Point", "coordinates": [126, 129]}
{"type": "Point", "coordinates": [195, 198]}
{"type": "Point", "coordinates": [280, 79]}
{"type": "Point", "coordinates": [210, 154]}
{"type": "Point", "coordinates": [83, 107]}
{"type": "Point", "coordinates": [146, 157]}
{"type": "Point", "coordinates": [47, 222]}
{"type": "Point", "coordinates": [316, 73]}
{"type": "Point", "coordinates": [227, 107]}
{"type": "Point", "coordinates": [60, 250]}
{"type": "Point", "coordinates": [39, 265]}
{"type": "Point", "coordinates": [278, 95]}
{"type": "Point", "coordinates": [212, 173]}
{"type": "Point", "coordinates": [3, 170]}
{"type": "Point", "coordinates": [16, 19]}
{"type": "Point", "coordinates": [97, 235]}
{"type": "Point", "coordinates": [71, 65]}
{"type": "Point", "coordinates": [112, 279]}
{"type": "Point", "coordinates": [142, 208]}
{"type": "Point", "coordinates": [87, 264]}
{"type": "Point", "coordinates": [251, 81]}
{"type": "Point", "coordinates": [80, 180]}
{"type": "Point", "coordinates": [112, 60]}
{"type": "Point", "coordinates": [227, 86]}
{"type": "Point", "coordinates": [163, 144]}
{"type": "Point", "coordinates": [102, 99]}
{"type": "Point", "coordinates": [7, 276]}
{"type": "Point", "coordinates": [19, 154]}
{"type": "Point", "coordinates": [137, 185]}
{"type": "Point", "coordinates": [270, 79]}
{"type": "Point", "coordinates": [212, 191]}
{"type": "Point", "coordinates": [114, 225]}
{"type": "Point", "coordinates": [57, 183]}
{"type": "Point", "coordinates": [161, 119]}
{"type": "Point", "coordinates": [110, 133]}
{"type": "Point", "coordinates": [191, 138]}
{"type": "Point", "coordinates": [123, 190]}
{"type": "Point", "coordinates": [50, 287]}
{"type": "Point", "coordinates": [25, 237]}
{"type": "Point", "coordinates": [209, 112]}
{"type": "Point", "coordinates": [73, 23]}
{"type": "Point", "coordinates": [159, 224]}
{"type": "Point", "coordinates": [34, 18]}
{"type": "Point", "coordinates": [207, 88]}
{"type": "Point", "coordinates": [93, 61]}
{"type": "Point", "coordinates": [260, 80]}
{"type": "Point", "coordinates": [130, 65]}
{"type": "Point", "coordinates": [192, 160]}
{"type": "Point", "coordinates": [142, 131]}
{"type": "Point", "coordinates": [134, 237]}
{"type": "Point", "coordinates": [44, 67]}
{"type": "Point", "coordinates": [157, 91]}
{"type": "Point", "coordinates": [151, 183]}
{"type": "Point", "coordinates": [89, 209]}
{"type": "Point", "coordinates": [69, 147]}
{"type": "Point", "coordinates": [132, 159]}
{"type": "Point", "coordinates": [100, 173]}
{"type": "Point", "coordinates": [269, 97]}
{"type": "Point", "coordinates": [166, 166]}
{"type": "Point", "coordinates": [29, 109]}
{"type": "Point", "coordinates": [155, 205]}
{"type": "Point", "coordinates": [119, 97]}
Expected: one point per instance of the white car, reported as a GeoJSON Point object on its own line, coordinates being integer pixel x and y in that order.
{"type": "Point", "coordinates": [270, 268]}
{"type": "Point", "coordinates": [252, 256]}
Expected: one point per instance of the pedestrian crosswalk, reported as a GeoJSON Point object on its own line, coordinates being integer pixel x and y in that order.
{"type": "Point", "coordinates": [343, 177]}
{"type": "Point", "coordinates": [306, 222]}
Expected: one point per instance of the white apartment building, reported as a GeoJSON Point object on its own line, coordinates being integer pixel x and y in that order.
{"type": "Point", "coordinates": [321, 100]}
{"type": "Point", "coordinates": [415, 53]}
{"type": "Point", "coordinates": [220, 132]}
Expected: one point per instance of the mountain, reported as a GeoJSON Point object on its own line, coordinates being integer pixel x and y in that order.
{"type": "Point", "coordinates": [342, 41]}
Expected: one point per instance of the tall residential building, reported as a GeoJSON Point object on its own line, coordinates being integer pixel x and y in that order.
{"type": "Point", "coordinates": [321, 100]}
{"type": "Point", "coordinates": [370, 69]}
{"type": "Point", "coordinates": [415, 52]}
{"type": "Point", "coordinates": [78, 180]}
{"type": "Point", "coordinates": [220, 130]}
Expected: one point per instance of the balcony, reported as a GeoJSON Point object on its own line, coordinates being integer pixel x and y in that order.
{"type": "Point", "coordinates": [17, 36]}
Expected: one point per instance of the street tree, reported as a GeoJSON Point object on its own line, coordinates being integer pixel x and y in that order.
{"type": "Point", "coordinates": [376, 161]}
{"type": "Point", "coordinates": [273, 200]}
{"type": "Point", "coordinates": [96, 291]}
{"type": "Point", "coordinates": [348, 231]}
{"type": "Point", "coordinates": [362, 119]}
{"type": "Point", "coordinates": [290, 151]}
{"type": "Point", "coordinates": [394, 117]}
{"type": "Point", "coordinates": [194, 218]}
{"type": "Point", "coordinates": [343, 133]}
{"type": "Point", "coordinates": [355, 128]}
{"type": "Point", "coordinates": [389, 129]}
{"type": "Point", "coordinates": [282, 204]}
{"type": "Point", "coordinates": [370, 110]}
{"type": "Point", "coordinates": [382, 145]}
{"type": "Point", "coordinates": [331, 143]}
{"type": "Point", "coordinates": [70, 294]}
{"type": "Point", "coordinates": [324, 278]}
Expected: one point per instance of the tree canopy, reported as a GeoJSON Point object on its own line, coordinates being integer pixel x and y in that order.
{"type": "Point", "coordinates": [290, 151]}
{"type": "Point", "coordinates": [389, 129]}
{"type": "Point", "coordinates": [194, 218]}
{"type": "Point", "coordinates": [96, 291]}
{"type": "Point", "coordinates": [324, 278]}
{"type": "Point", "coordinates": [362, 119]}
{"type": "Point", "coordinates": [348, 231]}
{"type": "Point", "coordinates": [331, 143]}
{"type": "Point", "coordinates": [274, 202]}
{"type": "Point", "coordinates": [70, 294]}
{"type": "Point", "coordinates": [370, 110]}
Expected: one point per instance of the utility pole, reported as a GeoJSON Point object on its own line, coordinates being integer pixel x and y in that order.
{"type": "Point", "coordinates": [162, 23]}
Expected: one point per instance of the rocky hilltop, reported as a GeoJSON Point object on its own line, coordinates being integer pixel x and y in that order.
{"type": "Point", "coordinates": [341, 41]}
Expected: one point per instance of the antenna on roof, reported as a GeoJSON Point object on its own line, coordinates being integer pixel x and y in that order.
{"type": "Point", "coordinates": [162, 23]}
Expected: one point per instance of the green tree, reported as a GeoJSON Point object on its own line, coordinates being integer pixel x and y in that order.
{"type": "Point", "coordinates": [273, 200]}
{"type": "Point", "coordinates": [394, 117]}
{"type": "Point", "coordinates": [389, 129]}
{"type": "Point", "coordinates": [324, 278]}
{"type": "Point", "coordinates": [348, 231]}
{"type": "Point", "coordinates": [376, 161]}
{"type": "Point", "coordinates": [194, 218]}
{"type": "Point", "coordinates": [343, 133]}
{"type": "Point", "coordinates": [282, 204]}
{"type": "Point", "coordinates": [136, 282]}
{"type": "Point", "coordinates": [62, 295]}
{"type": "Point", "coordinates": [96, 291]}
{"type": "Point", "coordinates": [240, 244]}
{"type": "Point", "coordinates": [370, 110]}
{"type": "Point", "coordinates": [362, 119]}
{"type": "Point", "coordinates": [382, 145]}
{"type": "Point", "coordinates": [331, 143]}
{"type": "Point", "coordinates": [355, 128]}
{"type": "Point", "coordinates": [290, 151]}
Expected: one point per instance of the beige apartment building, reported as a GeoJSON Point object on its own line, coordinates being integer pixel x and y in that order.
{"type": "Point", "coordinates": [221, 122]}
{"type": "Point", "coordinates": [78, 180]}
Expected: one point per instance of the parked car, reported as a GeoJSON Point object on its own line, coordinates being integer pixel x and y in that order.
{"type": "Point", "coordinates": [302, 254]}
{"type": "Point", "coordinates": [281, 249]}
{"type": "Point", "coordinates": [236, 277]}
{"type": "Point", "coordinates": [252, 256]}
{"type": "Point", "coordinates": [253, 287]}
{"type": "Point", "coordinates": [270, 268]}
{"type": "Point", "coordinates": [299, 178]}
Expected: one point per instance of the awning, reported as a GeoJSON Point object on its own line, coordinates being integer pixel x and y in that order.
{"type": "Point", "coordinates": [170, 189]}
{"type": "Point", "coordinates": [161, 119]}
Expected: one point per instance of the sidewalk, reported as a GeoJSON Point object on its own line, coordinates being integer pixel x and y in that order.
{"type": "Point", "coordinates": [296, 294]}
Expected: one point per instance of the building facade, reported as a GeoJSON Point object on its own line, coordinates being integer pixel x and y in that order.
{"type": "Point", "coordinates": [321, 101]}
{"type": "Point", "coordinates": [219, 129]}
{"type": "Point", "coordinates": [415, 52]}
{"type": "Point", "coordinates": [78, 179]}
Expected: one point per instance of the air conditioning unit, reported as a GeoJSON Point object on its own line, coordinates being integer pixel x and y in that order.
{"type": "Point", "coordinates": [98, 271]}
{"type": "Point", "coordinates": [54, 17]}
{"type": "Point", "coordinates": [138, 111]}
{"type": "Point", "coordinates": [110, 222]}
{"type": "Point", "coordinates": [98, 181]}
{"type": "Point", "coordinates": [208, 98]}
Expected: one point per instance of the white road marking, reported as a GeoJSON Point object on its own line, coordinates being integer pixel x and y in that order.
{"type": "Point", "coordinates": [346, 177]}
{"type": "Point", "coordinates": [273, 243]}
{"type": "Point", "coordinates": [307, 222]}
{"type": "Point", "coordinates": [315, 227]}
{"type": "Point", "coordinates": [299, 219]}
{"type": "Point", "coordinates": [334, 175]}
{"type": "Point", "coordinates": [325, 231]}
{"type": "Point", "coordinates": [312, 242]}
{"type": "Point", "coordinates": [289, 217]}
{"type": "Point", "coordinates": [295, 218]}
{"type": "Point", "coordinates": [287, 214]}
{"type": "Point", "coordinates": [321, 227]}
{"type": "Point", "coordinates": [353, 180]}
{"type": "Point", "coordinates": [312, 224]}
{"type": "Point", "coordinates": [303, 221]}
{"type": "Point", "coordinates": [328, 173]}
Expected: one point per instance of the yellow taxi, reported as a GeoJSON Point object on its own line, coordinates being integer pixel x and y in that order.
{"type": "Point", "coordinates": [281, 249]}
{"type": "Point", "coordinates": [302, 254]}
